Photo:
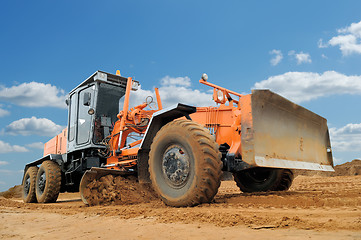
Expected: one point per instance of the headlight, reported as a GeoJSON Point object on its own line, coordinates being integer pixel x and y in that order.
{"type": "Point", "coordinates": [100, 76]}
{"type": "Point", "coordinates": [135, 86]}
{"type": "Point", "coordinates": [220, 95]}
{"type": "Point", "coordinates": [91, 111]}
{"type": "Point", "coordinates": [204, 76]}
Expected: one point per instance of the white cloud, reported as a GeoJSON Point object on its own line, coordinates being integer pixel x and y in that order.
{"type": "Point", "coordinates": [33, 126]}
{"type": "Point", "coordinates": [37, 145]}
{"type": "Point", "coordinates": [34, 94]}
{"type": "Point", "coordinates": [348, 44]}
{"type": "Point", "coordinates": [11, 172]}
{"type": "Point", "coordinates": [181, 81]}
{"type": "Point", "coordinates": [173, 91]}
{"type": "Point", "coordinates": [348, 39]}
{"type": "Point", "coordinates": [3, 163]}
{"type": "Point", "coordinates": [347, 138]}
{"type": "Point", "coordinates": [321, 44]}
{"type": "Point", "coordinates": [2, 183]}
{"type": "Point", "coordinates": [276, 58]}
{"type": "Point", "coordinates": [3, 112]}
{"type": "Point", "coordinates": [337, 161]}
{"type": "Point", "coordinates": [305, 86]}
{"type": "Point", "coordinates": [324, 56]}
{"type": "Point", "coordinates": [6, 148]}
{"type": "Point", "coordinates": [354, 28]}
{"type": "Point", "coordinates": [301, 57]}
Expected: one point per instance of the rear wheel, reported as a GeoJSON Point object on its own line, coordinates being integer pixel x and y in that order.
{"type": "Point", "coordinates": [263, 179]}
{"type": "Point", "coordinates": [185, 164]}
{"type": "Point", "coordinates": [48, 182]}
{"type": "Point", "coordinates": [29, 182]}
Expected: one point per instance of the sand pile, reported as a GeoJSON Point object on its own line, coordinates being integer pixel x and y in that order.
{"type": "Point", "coordinates": [352, 168]}
{"type": "Point", "coordinates": [14, 192]}
{"type": "Point", "coordinates": [117, 190]}
{"type": "Point", "coordinates": [349, 169]}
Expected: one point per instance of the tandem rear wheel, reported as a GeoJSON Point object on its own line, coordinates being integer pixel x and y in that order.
{"type": "Point", "coordinates": [29, 182]}
{"type": "Point", "coordinates": [42, 184]}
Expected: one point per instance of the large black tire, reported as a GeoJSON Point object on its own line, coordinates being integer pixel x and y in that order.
{"type": "Point", "coordinates": [29, 182]}
{"type": "Point", "coordinates": [48, 182]}
{"type": "Point", "coordinates": [185, 164]}
{"type": "Point", "coordinates": [263, 179]}
{"type": "Point", "coordinates": [286, 180]}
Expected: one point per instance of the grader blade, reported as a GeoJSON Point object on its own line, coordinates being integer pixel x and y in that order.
{"type": "Point", "coordinates": [96, 173]}
{"type": "Point", "coordinates": [278, 133]}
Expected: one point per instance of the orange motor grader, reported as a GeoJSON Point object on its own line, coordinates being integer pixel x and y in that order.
{"type": "Point", "coordinates": [181, 150]}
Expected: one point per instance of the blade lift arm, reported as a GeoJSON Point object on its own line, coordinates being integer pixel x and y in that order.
{"type": "Point", "coordinates": [134, 120]}
{"type": "Point", "coordinates": [220, 94]}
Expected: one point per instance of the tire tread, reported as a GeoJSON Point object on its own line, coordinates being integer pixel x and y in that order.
{"type": "Point", "coordinates": [211, 164]}
{"type": "Point", "coordinates": [31, 198]}
{"type": "Point", "coordinates": [51, 191]}
{"type": "Point", "coordinates": [281, 180]}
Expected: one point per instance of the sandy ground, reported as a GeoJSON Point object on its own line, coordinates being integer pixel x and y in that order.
{"type": "Point", "coordinates": [314, 208]}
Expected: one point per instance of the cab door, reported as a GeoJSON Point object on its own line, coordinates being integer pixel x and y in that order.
{"type": "Point", "coordinates": [85, 100]}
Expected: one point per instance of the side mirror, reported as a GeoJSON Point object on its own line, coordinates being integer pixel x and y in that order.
{"type": "Point", "coordinates": [67, 101]}
{"type": "Point", "coordinates": [86, 99]}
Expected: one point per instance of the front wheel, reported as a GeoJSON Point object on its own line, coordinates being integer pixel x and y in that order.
{"type": "Point", "coordinates": [185, 164]}
{"type": "Point", "coordinates": [263, 179]}
{"type": "Point", "coordinates": [48, 182]}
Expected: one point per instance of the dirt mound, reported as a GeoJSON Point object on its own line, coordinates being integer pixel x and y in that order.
{"type": "Point", "coordinates": [14, 192]}
{"type": "Point", "coordinates": [352, 168]}
{"type": "Point", "coordinates": [349, 169]}
{"type": "Point", "coordinates": [117, 190]}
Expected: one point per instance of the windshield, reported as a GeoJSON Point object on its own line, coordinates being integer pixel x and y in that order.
{"type": "Point", "coordinates": [107, 108]}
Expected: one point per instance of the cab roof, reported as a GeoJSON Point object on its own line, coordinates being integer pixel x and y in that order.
{"type": "Point", "coordinates": [101, 76]}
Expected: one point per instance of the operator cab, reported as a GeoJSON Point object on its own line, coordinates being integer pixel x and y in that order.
{"type": "Point", "coordinates": [93, 107]}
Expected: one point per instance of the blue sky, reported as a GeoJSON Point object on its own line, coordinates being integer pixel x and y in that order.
{"type": "Point", "coordinates": [308, 51]}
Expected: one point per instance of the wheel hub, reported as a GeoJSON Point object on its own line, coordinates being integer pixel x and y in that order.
{"type": "Point", "coordinates": [175, 165]}
{"type": "Point", "coordinates": [27, 186]}
{"type": "Point", "coordinates": [42, 182]}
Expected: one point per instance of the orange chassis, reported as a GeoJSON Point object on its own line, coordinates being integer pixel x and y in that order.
{"type": "Point", "coordinates": [224, 122]}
